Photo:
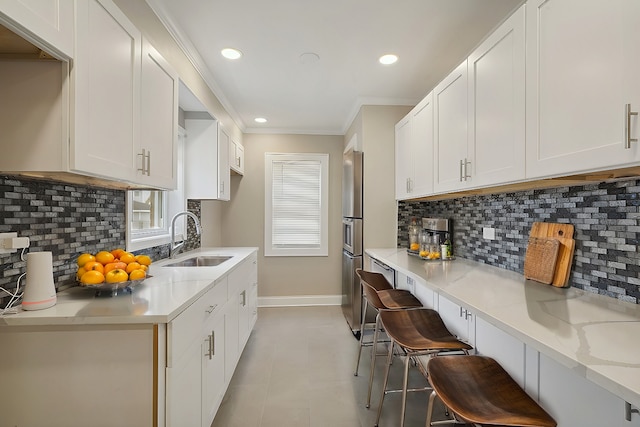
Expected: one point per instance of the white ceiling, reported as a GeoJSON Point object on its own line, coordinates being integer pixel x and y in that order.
{"type": "Point", "coordinates": [430, 37]}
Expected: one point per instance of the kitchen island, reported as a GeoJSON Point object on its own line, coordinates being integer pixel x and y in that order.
{"type": "Point", "coordinates": [578, 353]}
{"type": "Point", "coordinates": [160, 355]}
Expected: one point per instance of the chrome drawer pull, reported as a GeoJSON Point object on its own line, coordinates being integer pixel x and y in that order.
{"type": "Point", "coordinates": [627, 128]}
{"type": "Point", "coordinates": [211, 308]}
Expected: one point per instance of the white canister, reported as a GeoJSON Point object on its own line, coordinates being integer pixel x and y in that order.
{"type": "Point", "coordinates": [39, 291]}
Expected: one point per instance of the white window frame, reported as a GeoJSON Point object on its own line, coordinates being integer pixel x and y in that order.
{"type": "Point", "coordinates": [173, 202]}
{"type": "Point", "coordinates": [323, 248]}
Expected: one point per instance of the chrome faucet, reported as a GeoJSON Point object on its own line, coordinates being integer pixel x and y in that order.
{"type": "Point", "coordinates": [177, 247]}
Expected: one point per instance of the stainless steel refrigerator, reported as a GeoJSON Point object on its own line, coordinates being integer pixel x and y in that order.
{"type": "Point", "coordinates": [352, 251]}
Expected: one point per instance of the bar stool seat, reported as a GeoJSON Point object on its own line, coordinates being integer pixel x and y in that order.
{"type": "Point", "coordinates": [378, 293]}
{"type": "Point", "coordinates": [478, 390]}
{"type": "Point", "coordinates": [419, 332]}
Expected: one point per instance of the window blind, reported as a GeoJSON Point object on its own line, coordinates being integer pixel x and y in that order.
{"type": "Point", "coordinates": [296, 204]}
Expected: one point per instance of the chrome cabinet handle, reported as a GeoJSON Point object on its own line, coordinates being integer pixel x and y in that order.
{"type": "Point", "coordinates": [244, 298]}
{"type": "Point", "coordinates": [627, 128]}
{"type": "Point", "coordinates": [145, 158]}
{"type": "Point", "coordinates": [212, 344]}
{"type": "Point", "coordinates": [208, 353]}
{"type": "Point", "coordinates": [461, 166]}
{"type": "Point", "coordinates": [467, 164]}
{"type": "Point", "coordinates": [211, 308]}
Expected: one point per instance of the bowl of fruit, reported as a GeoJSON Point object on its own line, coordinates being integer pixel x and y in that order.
{"type": "Point", "coordinates": [111, 271]}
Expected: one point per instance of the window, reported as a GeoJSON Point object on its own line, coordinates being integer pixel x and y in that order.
{"type": "Point", "coordinates": [149, 212]}
{"type": "Point", "coordinates": [296, 204]}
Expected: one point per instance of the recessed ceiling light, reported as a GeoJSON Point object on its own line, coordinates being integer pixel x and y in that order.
{"type": "Point", "coordinates": [388, 59]}
{"type": "Point", "coordinates": [231, 53]}
{"type": "Point", "coordinates": [260, 120]}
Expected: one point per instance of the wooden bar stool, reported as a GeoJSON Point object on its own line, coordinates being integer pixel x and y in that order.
{"type": "Point", "coordinates": [379, 294]}
{"type": "Point", "coordinates": [477, 390]}
{"type": "Point", "coordinates": [418, 332]}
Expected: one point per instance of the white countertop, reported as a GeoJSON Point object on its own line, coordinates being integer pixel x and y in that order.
{"type": "Point", "coordinates": [158, 299]}
{"type": "Point", "coordinates": [594, 335]}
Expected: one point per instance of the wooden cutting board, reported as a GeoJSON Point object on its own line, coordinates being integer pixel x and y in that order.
{"type": "Point", "coordinates": [564, 234]}
{"type": "Point", "coordinates": [551, 229]}
{"type": "Point", "coordinates": [541, 259]}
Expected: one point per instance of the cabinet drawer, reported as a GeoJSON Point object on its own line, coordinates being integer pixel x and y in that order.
{"type": "Point", "coordinates": [188, 325]}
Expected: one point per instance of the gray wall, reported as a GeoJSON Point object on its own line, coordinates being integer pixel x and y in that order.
{"type": "Point", "coordinates": [605, 216]}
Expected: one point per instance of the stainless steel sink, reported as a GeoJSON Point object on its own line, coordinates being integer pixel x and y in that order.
{"type": "Point", "coordinates": [201, 261]}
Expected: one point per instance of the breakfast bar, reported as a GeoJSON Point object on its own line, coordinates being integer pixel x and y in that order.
{"type": "Point", "coordinates": [575, 351]}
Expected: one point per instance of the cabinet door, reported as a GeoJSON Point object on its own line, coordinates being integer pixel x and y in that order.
{"type": "Point", "coordinates": [156, 152]}
{"type": "Point", "coordinates": [105, 79]}
{"type": "Point", "coordinates": [562, 391]}
{"type": "Point", "coordinates": [48, 23]}
{"type": "Point", "coordinates": [184, 385]}
{"type": "Point", "coordinates": [458, 320]}
{"type": "Point", "coordinates": [232, 332]}
{"type": "Point", "coordinates": [578, 83]}
{"type": "Point", "coordinates": [507, 350]}
{"type": "Point", "coordinates": [201, 154]}
{"type": "Point", "coordinates": [213, 369]}
{"type": "Point", "coordinates": [404, 166]}
{"type": "Point", "coordinates": [236, 157]}
{"type": "Point", "coordinates": [422, 147]}
{"type": "Point", "coordinates": [496, 105]}
{"type": "Point", "coordinates": [224, 173]}
{"type": "Point", "coordinates": [450, 131]}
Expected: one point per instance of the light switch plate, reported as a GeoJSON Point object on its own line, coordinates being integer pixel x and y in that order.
{"type": "Point", "coordinates": [489, 233]}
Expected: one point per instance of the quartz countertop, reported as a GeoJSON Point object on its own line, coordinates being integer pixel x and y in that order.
{"type": "Point", "coordinates": [158, 299]}
{"type": "Point", "coordinates": [594, 335]}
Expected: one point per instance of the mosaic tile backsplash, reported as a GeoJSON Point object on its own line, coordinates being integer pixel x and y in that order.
{"type": "Point", "coordinates": [66, 220]}
{"type": "Point", "coordinates": [605, 216]}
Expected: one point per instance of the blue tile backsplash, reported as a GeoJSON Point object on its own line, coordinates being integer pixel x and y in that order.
{"type": "Point", "coordinates": [605, 216]}
{"type": "Point", "coordinates": [66, 220]}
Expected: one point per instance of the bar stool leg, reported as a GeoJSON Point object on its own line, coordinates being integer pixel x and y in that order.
{"type": "Point", "coordinates": [405, 385]}
{"type": "Point", "coordinates": [385, 382]}
{"type": "Point", "coordinates": [432, 398]}
{"type": "Point", "coordinates": [374, 354]}
{"type": "Point", "coordinates": [362, 322]}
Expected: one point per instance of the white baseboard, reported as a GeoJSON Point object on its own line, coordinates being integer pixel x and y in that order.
{"type": "Point", "coordinates": [302, 300]}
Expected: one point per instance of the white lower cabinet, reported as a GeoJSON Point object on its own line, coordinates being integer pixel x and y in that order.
{"type": "Point", "coordinates": [427, 297]}
{"type": "Point", "coordinates": [214, 379]}
{"type": "Point", "coordinates": [459, 320]}
{"type": "Point", "coordinates": [493, 342]}
{"type": "Point", "coordinates": [572, 400]}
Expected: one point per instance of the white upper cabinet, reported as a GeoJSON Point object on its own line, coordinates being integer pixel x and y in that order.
{"type": "Point", "coordinates": [224, 172]}
{"type": "Point", "coordinates": [106, 92]}
{"type": "Point", "coordinates": [46, 23]}
{"type": "Point", "coordinates": [496, 128]}
{"type": "Point", "coordinates": [236, 157]}
{"type": "Point", "coordinates": [156, 151]}
{"type": "Point", "coordinates": [582, 71]}
{"type": "Point", "coordinates": [207, 155]}
{"type": "Point", "coordinates": [414, 152]}
{"type": "Point", "coordinates": [451, 165]}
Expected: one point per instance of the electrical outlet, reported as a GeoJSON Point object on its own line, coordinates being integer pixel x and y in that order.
{"type": "Point", "coordinates": [489, 233]}
{"type": "Point", "coordinates": [7, 236]}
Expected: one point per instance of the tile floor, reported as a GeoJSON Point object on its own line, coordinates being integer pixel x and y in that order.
{"type": "Point", "coordinates": [297, 371]}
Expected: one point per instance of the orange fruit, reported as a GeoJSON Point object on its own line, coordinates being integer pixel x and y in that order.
{"type": "Point", "coordinates": [85, 258]}
{"type": "Point", "coordinates": [127, 257]}
{"type": "Point", "coordinates": [117, 252]}
{"type": "Point", "coordinates": [80, 272]}
{"type": "Point", "coordinates": [93, 265]}
{"type": "Point", "coordinates": [143, 259]}
{"type": "Point", "coordinates": [132, 266]}
{"type": "Point", "coordinates": [116, 276]}
{"type": "Point", "coordinates": [137, 274]}
{"type": "Point", "coordinates": [104, 257]}
{"type": "Point", "coordinates": [114, 265]}
{"type": "Point", "coordinates": [92, 277]}
{"type": "Point", "coordinates": [144, 268]}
